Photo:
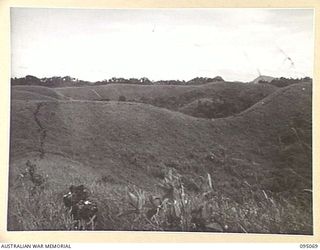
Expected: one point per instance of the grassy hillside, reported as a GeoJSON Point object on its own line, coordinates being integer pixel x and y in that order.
{"type": "Point", "coordinates": [31, 92]}
{"type": "Point", "coordinates": [228, 98]}
{"type": "Point", "coordinates": [212, 100]}
{"type": "Point", "coordinates": [101, 132]}
{"type": "Point", "coordinates": [27, 95]}
{"type": "Point", "coordinates": [136, 92]}
{"type": "Point", "coordinates": [111, 146]}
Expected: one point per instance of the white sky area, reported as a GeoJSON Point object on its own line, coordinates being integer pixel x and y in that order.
{"type": "Point", "coordinates": [162, 44]}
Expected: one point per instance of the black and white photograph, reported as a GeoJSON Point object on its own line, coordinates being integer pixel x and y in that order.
{"type": "Point", "coordinates": [161, 119]}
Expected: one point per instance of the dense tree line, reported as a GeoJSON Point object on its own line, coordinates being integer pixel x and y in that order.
{"type": "Point", "coordinates": [66, 81]}
{"type": "Point", "coordinates": [283, 82]}
{"type": "Point", "coordinates": [52, 82]}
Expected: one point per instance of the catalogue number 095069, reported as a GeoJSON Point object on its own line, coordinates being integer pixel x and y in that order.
{"type": "Point", "coordinates": [308, 246]}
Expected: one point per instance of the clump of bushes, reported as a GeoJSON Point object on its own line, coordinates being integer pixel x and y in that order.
{"type": "Point", "coordinates": [122, 98]}
{"type": "Point", "coordinates": [174, 209]}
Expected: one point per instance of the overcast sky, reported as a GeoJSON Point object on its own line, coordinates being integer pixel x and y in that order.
{"type": "Point", "coordinates": [162, 43]}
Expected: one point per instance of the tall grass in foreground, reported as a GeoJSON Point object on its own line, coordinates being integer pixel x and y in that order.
{"type": "Point", "coordinates": [171, 207]}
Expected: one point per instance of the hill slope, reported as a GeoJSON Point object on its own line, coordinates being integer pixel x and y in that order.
{"type": "Point", "coordinates": [226, 100]}
{"type": "Point", "coordinates": [238, 95]}
{"type": "Point", "coordinates": [136, 92]}
{"type": "Point", "coordinates": [267, 146]}
{"type": "Point", "coordinates": [31, 92]}
{"type": "Point", "coordinates": [111, 133]}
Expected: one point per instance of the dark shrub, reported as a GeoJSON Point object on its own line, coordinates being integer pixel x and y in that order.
{"type": "Point", "coordinates": [122, 98]}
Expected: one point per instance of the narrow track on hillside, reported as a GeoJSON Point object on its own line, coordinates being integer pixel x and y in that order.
{"type": "Point", "coordinates": [41, 129]}
{"type": "Point", "coordinates": [94, 91]}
